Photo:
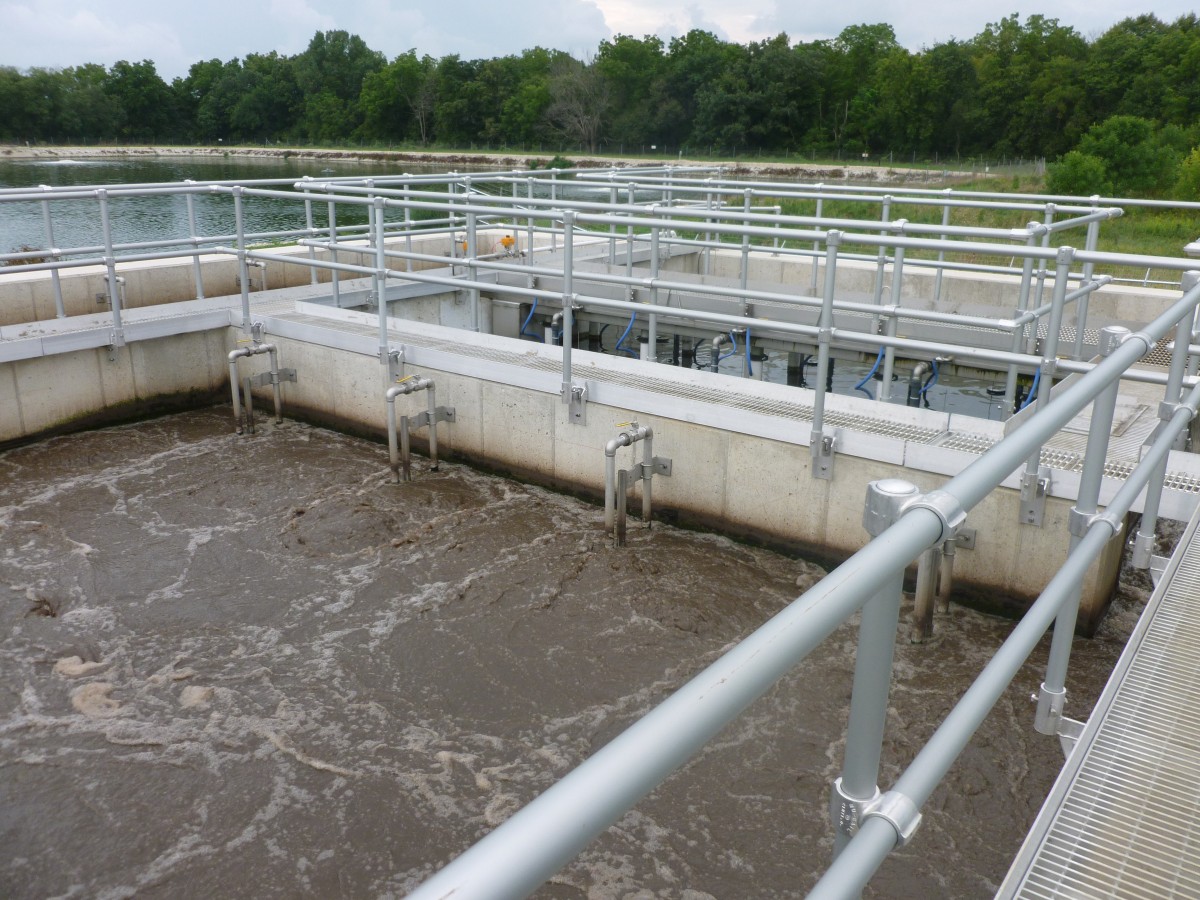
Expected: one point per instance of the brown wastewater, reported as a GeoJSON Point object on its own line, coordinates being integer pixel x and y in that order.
{"type": "Point", "coordinates": [257, 667]}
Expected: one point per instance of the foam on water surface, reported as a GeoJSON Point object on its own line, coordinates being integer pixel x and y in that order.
{"type": "Point", "coordinates": [255, 666]}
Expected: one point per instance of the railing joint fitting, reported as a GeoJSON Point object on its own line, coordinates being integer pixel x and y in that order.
{"type": "Point", "coordinates": [846, 812]}
{"type": "Point", "coordinates": [899, 811]}
{"type": "Point", "coordinates": [945, 506]}
{"type": "Point", "coordinates": [1079, 522]}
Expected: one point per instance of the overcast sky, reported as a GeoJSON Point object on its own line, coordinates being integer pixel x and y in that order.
{"type": "Point", "coordinates": [176, 33]}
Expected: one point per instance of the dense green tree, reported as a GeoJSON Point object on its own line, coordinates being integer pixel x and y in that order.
{"type": "Point", "coordinates": [1128, 101]}
{"type": "Point", "coordinates": [147, 104]}
{"type": "Point", "coordinates": [330, 74]}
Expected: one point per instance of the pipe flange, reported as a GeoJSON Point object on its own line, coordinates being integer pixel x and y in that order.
{"type": "Point", "coordinates": [945, 506]}
{"type": "Point", "coordinates": [900, 812]}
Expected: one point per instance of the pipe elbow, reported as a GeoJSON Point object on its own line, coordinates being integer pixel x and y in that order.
{"type": "Point", "coordinates": [621, 440]}
{"type": "Point", "coordinates": [394, 392]}
{"type": "Point", "coordinates": [235, 355]}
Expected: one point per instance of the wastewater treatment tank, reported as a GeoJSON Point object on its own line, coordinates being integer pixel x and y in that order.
{"type": "Point", "coordinates": [257, 666]}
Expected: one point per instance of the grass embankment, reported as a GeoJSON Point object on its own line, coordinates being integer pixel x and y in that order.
{"type": "Point", "coordinates": [1145, 232]}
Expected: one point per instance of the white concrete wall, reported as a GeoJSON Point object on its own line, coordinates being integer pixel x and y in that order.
{"type": "Point", "coordinates": [722, 480]}
{"type": "Point", "coordinates": [69, 391]}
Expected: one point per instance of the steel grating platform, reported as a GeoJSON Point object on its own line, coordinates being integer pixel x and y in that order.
{"type": "Point", "coordinates": [1123, 819]}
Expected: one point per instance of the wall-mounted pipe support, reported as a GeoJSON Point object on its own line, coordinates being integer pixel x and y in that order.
{"type": "Point", "coordinates": [644, 471]}
{"type": "Point", "coordinates": [400, 455]}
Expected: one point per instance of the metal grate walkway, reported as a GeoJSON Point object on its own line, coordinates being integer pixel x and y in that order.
{"type": "Point", "coordinates": [1123, 820]}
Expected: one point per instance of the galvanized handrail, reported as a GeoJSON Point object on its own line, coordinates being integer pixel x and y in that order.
{"type": "Point", "coordinates": [536, 841]}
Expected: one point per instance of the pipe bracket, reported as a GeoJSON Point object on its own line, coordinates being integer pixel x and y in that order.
{"type": "Point", "coordinates": [823, 449]}
{"type": "Point", "coordinates": [262, 379]}
{"type": "Point", "coordinates": [575, 396]}
{"type": "Point", "coordinates": [1034, 488]}
{"type": "Point", "coordinates": [441, 414]}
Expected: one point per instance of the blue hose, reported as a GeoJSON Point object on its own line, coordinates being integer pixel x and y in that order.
{"type": "Point", "coordinates": [932, 379]}
{"type": "Point", "coordinates": [624, 335]}
{"type": "Point", "coordinates": [749, 365]}
{"type": "Point", "coordinates": [528, 319]}
{"type": "Point", "coordinates": [733, 352]}
{"type": "Point", "coordinates": [1033, 388]}
{"type": "Point", "coordinates": [870, 375]}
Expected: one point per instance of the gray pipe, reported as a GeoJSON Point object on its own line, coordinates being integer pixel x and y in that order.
{"type": "Point", "coordinates": [627, 438]}
{"type": "Point", "coordinates": [399, 458]}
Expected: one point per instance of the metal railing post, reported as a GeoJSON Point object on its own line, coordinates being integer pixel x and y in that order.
{"type": "Point", "coordinates": [408, 227]}
{"type": "Point", "coordinates": [308, 224]}
{"type": "Point", "coordinates": [612, 228]}
{"type": "Point", "coordinates": [652, 319]}
{"type": "Point", "coordinates": [889, 354]}
{"type": "Point", "coordinates": [1047, 220]}
{"type": "Point", "coordinates": [1018, 335]}
{"type": "Point", "coordinates": [1143, 544]}
{"type": "Point", "coordinates": [817, 244]}
{"type": "Point", "coordinates": [381, 285]}
{"type": "Point", "coordinates": [630, 196]}
{"type": "Point", "coordinates": [1034, 483]}
{"type": "Point", "coordinates": [744, 265]}
{"type": "Point", "coordinates": [881, 254]}
{"type": "Point", "coordinates": [334, 280]}
{"type": "Point", "coordinates": [529, 222]}
{"type": "Point", "coordinates": [568, 300]}
{"type": "Point", "coordinates": [472, 269]}
{"type": "Point", "coordinates": [825, 323]}
{"type": "Point", "coordinates": [1052, 696]}
{"type": "Point", "coordinates": [941, 257]}
{"type": "Point", "coordinates": [1081, 305]}
{"type": "Point", "coordinates": [858, 785]}
{"type": "Point", "coordinates": [110, 267]}
{"type": "Point", "coordinates": [60, 310]}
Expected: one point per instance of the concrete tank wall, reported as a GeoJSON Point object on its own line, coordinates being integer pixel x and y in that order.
{"type": "Point", "coordinates": [723, 480]}
{"type": "Point", "coordinates": [70, 391]}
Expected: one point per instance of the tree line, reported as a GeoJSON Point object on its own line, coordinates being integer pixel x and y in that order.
{"type": "Point", "coordinates": [1018, 89]}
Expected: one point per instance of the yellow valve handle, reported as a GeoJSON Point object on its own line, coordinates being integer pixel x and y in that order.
{"type": "Point", "coordinates": [405, 378]}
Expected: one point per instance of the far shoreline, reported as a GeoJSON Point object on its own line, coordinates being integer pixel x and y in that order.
{"type": "Point", "coordinates": [509, 160]}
